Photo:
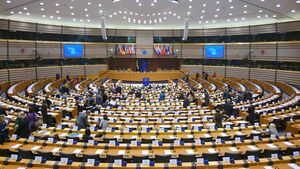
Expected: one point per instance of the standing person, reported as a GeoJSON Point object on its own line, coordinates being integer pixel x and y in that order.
{"type": "Point", "coordinates": [49, 103]}
{"type": "Point", "coordinates": [104, 122]}
{"type": "Point", "coordinates": [251, 114]}
{"type": "Point", "coordinates": [22, 126]}
{"type": "Point", "coordinates": [44, 111]}
{"type": "Point", "coordinates": [219, 118]}
{"type": "Point", "coordinates": [98, 99]}
{"type": "Point", "coordinates": [206, 98]}
{"type": "Point", "coordinates": [197, 76]}
{"type": "Point", "coordinates": [3, 130]}
{"type": "Point", "coordinates": [82, 120]}
{"type": "Point", "coordinates": [3, 111]}
{"type": "Point", "coordinates": [32, 117]}
{"type": "Point", "coordinates": [206, 76]}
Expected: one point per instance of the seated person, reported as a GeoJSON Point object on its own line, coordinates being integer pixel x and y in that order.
{"type": "Point", "coordinates": [82, 120]}
{"type": "Point", "coordinates": [104, 123]}
{"type": "Point", "coordinates": [87, 135]}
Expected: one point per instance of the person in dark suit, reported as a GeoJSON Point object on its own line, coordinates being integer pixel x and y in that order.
{"type": "Point", "coordinates": [87, 135]}
{"type": "Point", "coordinates": [228, 108]}
{"type": "Point", "coordinates": [219, 118]}
{"type": "Point", "coordinates": [35, 107]}
{"type": "Point", "coordinates": [118, 89]}
{"type": "Point", "coordinates": [138, 94]}
{"type": "Point", "coordinates": [23, 126]}
{"type": "Point", "coordinates": [44, 111]}
{"type": "Point", "coordinates": [206, 98]}
{"type": "Point", "coordinates": [186, 102]}
{"type": "Point", "coordinates": [49, 103]}
{"type": "Point", "coordinates": [3, 111]}
{"type": "Point", "coordinates": [251, 114]}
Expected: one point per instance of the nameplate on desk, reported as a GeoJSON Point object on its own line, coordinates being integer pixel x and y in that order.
{"type": "Point", "coordinates": [296, 153]}
{"type": "Point", "coordinates": [50, 139]}
{"type": "Point", "coordinates": [155, 142]}
{"type": "Point", "coordinates": [218, 140]}
{"type": "Point", "coordinates": [256, 124]}
{"type": "Point", "coordinates": [256, 137]}
{"type": "Point", "coordinates": [200, 160]}
{"type": "Point", "coordinates": [44, 125]}
{"type": "Point", "coordinates": [75, 128]}
{"type": "Point", "coordinates": [145, 152]}
{"type": "Point", "coordinates": [14, 136]}
{"type": "Point", "coordinates": [67, 117]}
{"type": "Point", "coordinates": [133, 142]}
{"type": "Point", "coordinates": [289, 134]}
{"type": "Point", "coordinates": [228, 126]}
{"type": "Point", "coordinates": [91, 142]}
{"type": "Point", "coordinates": [197, 141]}
{"type": "Point", "coordinates": [71, 141]}
{"type": "Point", "coordinates": [243, 125]}
{"type": "Point", "coordinates": [112, 142]}
{"type": "Point", "coordinates": [38, 159]}
{"type": "Point", "coordinates": [92, 128]}
{"type": "Point", "coordinates": [118, 162]}
{"type": "Point", "coordinates": [14, 156]}
{"type": "Point", "coordinates": [273, 136]}
{"type": "Point", "coordinates": [146, 162]}
{"type": "Point", "coordinates": [177, 142]}
{"type": "Point", "coordinates": [91, 161]}
{"type": "Point", "coordinates": [31, 138]}
{"type": "Point", "coordinates": [212, 127]}
{"type": "Point", "coordinates": [173, 161]}
{"type": "Point", "coordinates": [59, 126]}
{"type": "Point", "coordinates": [251, 158]}
{"type": "Point", "coordinates": [237, 139]}
{"type": "Point", "coordinates": [275, 156]}
{"type": "Point", "coordinates": [64, 160]}
{"type": "Point", "coordinates": [226, 159]}
{"type": "Point", "coordinates": [190, 152]}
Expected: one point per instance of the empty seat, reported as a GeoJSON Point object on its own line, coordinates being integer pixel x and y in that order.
{"type": "Point", "coordinates": [27, 154]}
{"type": "Point", "coordinates": [139, 159]}
{"type": "Point", "coordinates": [47, 155]}
{"type": "Point", "coordinates": [166, 140]}
{"type": "Point", "coordinates": [210, 156]}
{"type": "Point", "coordinates": [5, 153]}
{"type": "Point", "coordinates": [235, 156]}
{"type": "Point", "coordinates": [255, 153]}
{"type": "Point", "coordinates": [290, 150]}
{"type": "Point", "coordinates": [187, 158]}
{"type": "Point", "coordinates": [162, 158]}
{"type": "Point", "coordinates": [188, 140]}
{"type": "Point", "coordinates": [268, 153]}
{"type": "Point", "coordinates": [147, 141]}
{"type": "Point", "coordinates": [96, 157]}
{"type": "Point", "coordinates": [69, 156]}
{"type": "Point", "coordinates": [112, 158]}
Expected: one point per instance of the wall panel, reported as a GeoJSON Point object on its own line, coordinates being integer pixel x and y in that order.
{"type": "Point", "coordinates": [21, 50]}
{"type": "Point", "coordinates": [192, 51]}
{"type": "Point", "coordinates": [289, 52]}
{"type": "Point", "coordinates": [49, 50]}
{"type": "Point", "coordinates": [49, 29]}
{"type": "Point", "coordinates": [237, 51]}
{"type": "Point", "coordinates": [95, 50]}
{"type": "Point", "coordinates": [288, 27]}
{"type": "Point", "coordinates": [3, 50]}
{"type": "Point", "coordinates": [220, 70]}
{"type": "Point", "coordinates": [262, 74]}
{"type": "Point", "coordinates": [95, 69]}
{"type": "Point", "coordinates": [73, 70]}
{"type": "Point", "coordinates": [22, 26]}
{"type": "Point", "coordinates": [238, 31]}
{"type": "Point", "coordinates": [195, 32]}
{"type": "Point", "coordinates": [73, 30]}
{"type": "Point", "coordinates": [48, 72]}
{"type": "Point", "coordinates": [163, 33]}
{"type": "Point", "coordinates": [192, 69]}
{"type": "Point", "coordinates": [3, 75]}
{"type": "Point", "coordinates": [124, 32]}
{"type": "Point", "coordinates": [3, 24]}
{"type": "Point", "coordinates": [239, 72]}
{"type": "Point", "coordinates": [93, 31]}
{"type": "Point", "coordinates": [22, 74]}
{"type": "Point", "coordinates": [214, 32]}
{"type": "Point", "coordinates": [291, 77]}
{"type": "Point", "coordinates": [264, 51]}
{"type": "Point", "coordinates": [260, 29]}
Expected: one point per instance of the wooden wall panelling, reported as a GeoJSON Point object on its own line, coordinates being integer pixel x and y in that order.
{"type": "Point", "coordinates": [237, 51]}
{"type": "Point", "coordinates": [220, 70]}
{"type": "Point", "coordinates": [95, 69]}
{"type": "Point", "coordinates": [49, 50]}
{"type": "Point", "coordinates": [192, 51]}
{"type": "Point", "coordinates": [289, 52]}
{"type": "Point", "coordinates": [3, 50]}
{"type": "Point", "coordinates": [291, 77]}
{"type": "Point", "coordinates": [262, 74]}
{"type": "Point", "coordinates": [48, 72]}
{"type": "Point", "coordinates": [22, 74]}
{"type": "Point", "coordinates": [95, 50]}
{"type": "Point", "coordinates": [240, 72]}
{"type": "Point", "coordinates": [73, 70]}
{"type": "Point", "coordinates": [264, 51]}
{"type": "Point", "coordinates": [21, 50]}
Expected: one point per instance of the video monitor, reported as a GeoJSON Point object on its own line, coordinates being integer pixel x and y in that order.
{"type": "Point", "coordinates": [73, 50]}
{"type": "Point", "coordinates": [214, 51]}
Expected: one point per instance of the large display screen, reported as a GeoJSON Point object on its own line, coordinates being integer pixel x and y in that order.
{"type": "Point", "coordinates": [163, 49]}
{"type": "Point", "coordinates": [125, 49]}
{"type": "Point", "coordinates": [73, 50]}
{"type": "Point", "coordinates": [214, 51]}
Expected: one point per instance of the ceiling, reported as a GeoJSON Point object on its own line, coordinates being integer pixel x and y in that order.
{"type": "Point", "coordinates": [151, 14]}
